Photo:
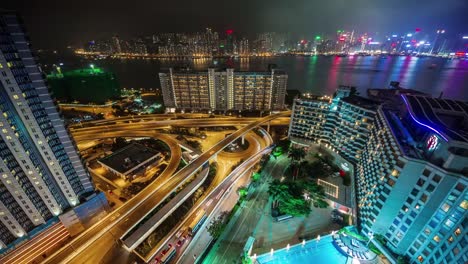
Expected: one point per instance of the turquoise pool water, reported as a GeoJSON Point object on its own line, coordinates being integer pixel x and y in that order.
{"type": "Point", "coordinates": [312, 252]}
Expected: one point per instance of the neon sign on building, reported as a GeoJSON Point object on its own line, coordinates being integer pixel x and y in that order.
{"type": "Point", "coordinates": [432, 142]}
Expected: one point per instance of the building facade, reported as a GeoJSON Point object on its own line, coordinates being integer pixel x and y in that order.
{"type": "Point", "coordinates": [412, 179]}
{"type": "Point", "coordinates": [411, 157]}
{"type": "Point", "coordinates": [224, 90]}
{"type": "Point", "coordinates": [341, 123]}
{"type": "Point", "coordinates": [41, 174]}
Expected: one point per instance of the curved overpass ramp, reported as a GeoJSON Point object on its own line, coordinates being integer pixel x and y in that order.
{"type": "Point", "coordinates": [95, 242]}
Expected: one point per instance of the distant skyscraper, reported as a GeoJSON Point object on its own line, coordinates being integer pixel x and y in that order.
{"type": "Point", "coordinates": [224, 90]}
{"type": "Point", "coordinates": [230, 42]}
{"type": "Point", "coordinates": [41, 174]}
{"type": "Point", "coordinates": [116, 46]}
{"type": "Point", "coordinates": [244, 47]}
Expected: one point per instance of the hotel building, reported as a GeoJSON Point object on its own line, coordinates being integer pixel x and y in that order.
{"type": "Point", "coordinates": [341, 123]}
{"type": "Point", "coordinates": [412, 179]}
{"type": "Point", "coordinates": [223, 90]}
{"type": "Point", "coordinates": [411, 160]}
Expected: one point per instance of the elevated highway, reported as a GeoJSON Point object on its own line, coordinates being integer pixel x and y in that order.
{"type": "Point", "coordinates": [95, 242]}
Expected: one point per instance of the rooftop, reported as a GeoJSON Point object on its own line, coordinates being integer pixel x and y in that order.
{"type": "Point", "coordinates": [447, 118]}
{"type": "Point", "coordinates": [128, 157]}
{"type": "Point", "coordinates": [361, 102]}
{"type": "Point", "coordinates": [187, 70]}
{"type": "Point", "coordinates": [312, 97]}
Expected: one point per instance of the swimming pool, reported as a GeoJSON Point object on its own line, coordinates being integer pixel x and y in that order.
{"type": "Point", "coordinates": [312, 252]}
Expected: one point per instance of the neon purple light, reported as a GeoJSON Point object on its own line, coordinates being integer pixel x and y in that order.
{"type": "Point", "coordinates": [417, 121]}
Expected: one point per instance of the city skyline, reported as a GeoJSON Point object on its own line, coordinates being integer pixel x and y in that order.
{"type": "Point", "coordinates": [225, 164]}
{"type": "Point", "coordinates": [70, 23]}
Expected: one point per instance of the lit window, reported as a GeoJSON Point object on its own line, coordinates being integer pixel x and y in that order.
{"type": "Point", "coordinates": [450, 240]}
{"type": "Point", "coordinates": [449, 223]}
{"type": "Point", "coordinates": [445, 207]}
{"type": "Point", "coordinates": [436, 239]}
{"type": "Point", "coordinates": [420, 259]}
{"type": "Point", "coordinates": [464, 204]}
{"type": "Point", "coordinates": [15, 96]}
{"type": "Point", "coordinates": [457, 231]}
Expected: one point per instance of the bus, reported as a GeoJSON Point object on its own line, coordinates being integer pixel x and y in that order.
{"type": "Point", "coordinates": [197, 222]}
{"type": "Point", "coordinates": [168, 256]}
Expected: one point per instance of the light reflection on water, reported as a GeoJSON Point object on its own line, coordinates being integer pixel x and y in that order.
{"type": "Point", "coordinates": [315, 74]}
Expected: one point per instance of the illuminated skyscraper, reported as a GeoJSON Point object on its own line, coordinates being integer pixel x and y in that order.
{"type": "Point", "coordinates": [116, 46]}
{"type": "Point", "coordinates": [41, 174]}
{"type": "Point", "coordinates": [244, 47]}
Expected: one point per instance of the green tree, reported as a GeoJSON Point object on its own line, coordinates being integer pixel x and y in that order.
{"type": "Point", "coordinates": [284, 144]}
{"type": "Point", "coordinates": [290, 196]}
{"type": "Point", "coordinates": [278, 191]}
{"type": "Point", "coordinates": [255, 176]}
{"type": "Point", "coordinates": [295, 207]}
{"type": "Point", "coordinates": [296, 155]}
{"type": "Point", "coordinates": [317, 169]}
{"type": "Point", "coordinates": [217, 226]}
{"type": "Point", "coordinates": [242, 191]}
{"type": "Point", "coordinates": [315, 193]}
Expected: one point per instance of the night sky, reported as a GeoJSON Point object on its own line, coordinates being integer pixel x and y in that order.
{"type": "Point", "coordinates": [55, 24]}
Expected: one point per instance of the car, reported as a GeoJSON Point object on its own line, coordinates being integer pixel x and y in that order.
{"type": "Point", "coordinates": [181, 241]}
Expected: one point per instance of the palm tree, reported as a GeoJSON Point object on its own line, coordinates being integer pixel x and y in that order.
{"type": "Point", "coordinates": [316, 193]}
{"type": "Point", "coordinates": [296, 155]}
{"type": "Point", "coordinates": [278, 191]}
